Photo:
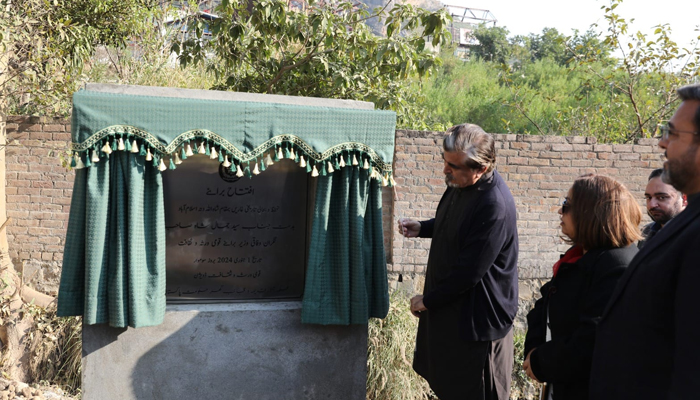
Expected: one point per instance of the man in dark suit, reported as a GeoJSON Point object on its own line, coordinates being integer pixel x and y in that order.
{"type": "Point", "coordinates": [648, 340]}
{"type": "Point", "coordinates": [664, 202]}
{"type": "Point", "coordinates": [464, 347]}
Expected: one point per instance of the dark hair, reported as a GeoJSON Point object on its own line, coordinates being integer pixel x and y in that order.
{"type": "Point", "coordinates": [655, 173]}
{"type": "Point", "coordinates": [470, 139]}
{"type": "Point", "coordinates": [605, 213]}
{"type": "Point", "coordinates": [692, 92]}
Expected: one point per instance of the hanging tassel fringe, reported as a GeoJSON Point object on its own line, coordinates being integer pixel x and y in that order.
{"type": "Point", "coordinates": [95, 156]}
{"type": "Point", "coordinates": [121, 144]}
{"type": "Point", "coordinates": [106, 149]}
{"type": "Point", "coordinates": [302, 163]}
{"type": "Point", "coordinates": [256, 171]}
{"type": "Point", "coordinates": [134, 147]}
{"type": "Point", "coordinates": [189, 152]}
{"type": "Point", "coordinates": [226, 163]}
{"type": "Point", "coordinates": [330, 168]}
{"type": "Point", "coordinates": [202, 150]}
{"type": "Point", "coordinates": [213, 153]}
{"type": "Point", "coordinates": [314, 172]}
{"type": "Point", "coordinates": [161, 166]}
{"type": "Point", "coordinates": [178, 161]}
{"type": "Point", "coordinates": [239, 172]}
{"type": "Point", "coordinates": [149, 156]}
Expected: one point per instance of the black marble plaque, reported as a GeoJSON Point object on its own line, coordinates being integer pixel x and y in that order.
{"type": "Point", "coordinates": [231, 238]}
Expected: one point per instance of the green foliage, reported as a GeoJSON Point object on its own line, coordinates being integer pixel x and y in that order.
{"type": "Point", "coordinates": [45, 44]}
{"type": "Point", "coordinates": [552, 84]}
{"type": "Point", "coordinates": [322, 50]}
{"type": "Point", "coordinates": [646, 75]}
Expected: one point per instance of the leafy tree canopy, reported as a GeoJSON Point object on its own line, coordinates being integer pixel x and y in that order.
{"type": "Point", "coordinates": [45, 44]}
{"type": "Point", "coordinates": [320, 50]}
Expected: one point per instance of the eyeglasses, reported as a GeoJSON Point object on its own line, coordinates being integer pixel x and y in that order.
{"type": "Point", "coordinates": [663, 131]}
{"type": "Point", "coordinates": [565, 206]}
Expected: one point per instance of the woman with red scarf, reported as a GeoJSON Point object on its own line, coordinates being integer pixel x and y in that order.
{"type": "Point", "coordinates": [600, 219]}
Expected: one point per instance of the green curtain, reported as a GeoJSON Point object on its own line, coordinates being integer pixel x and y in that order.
{"type": "Point", "coordinates": [346, 280]}
{"type": "Point", "coordinates": [114, 259]}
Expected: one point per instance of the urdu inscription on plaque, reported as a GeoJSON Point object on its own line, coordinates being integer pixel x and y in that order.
{"type": "Point", "coordinates": [231, 238]}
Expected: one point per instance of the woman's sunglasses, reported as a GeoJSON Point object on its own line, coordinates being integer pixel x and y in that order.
{"type": "Point", "coordinates": [565, 206]}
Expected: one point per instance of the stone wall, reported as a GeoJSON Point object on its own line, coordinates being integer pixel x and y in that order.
{"type": "Point", "coordinates": [538, 169]}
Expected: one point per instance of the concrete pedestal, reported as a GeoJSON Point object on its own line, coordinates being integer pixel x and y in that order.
{"type": "Point", "coordinates": [226, 351]}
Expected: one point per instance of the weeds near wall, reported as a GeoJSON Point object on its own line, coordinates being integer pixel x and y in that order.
{"type": "Point", "coordinates": [390, 355]}
{"type": "Point", "coordinates": [390, 375]}
{"type": "Point", "coordinates": [55, 349]}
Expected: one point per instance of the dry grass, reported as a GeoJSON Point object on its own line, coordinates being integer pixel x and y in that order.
{"type": "Point", "coordinates": [390, 375]}
{"type": "Point", "coordinates": [55, 349]}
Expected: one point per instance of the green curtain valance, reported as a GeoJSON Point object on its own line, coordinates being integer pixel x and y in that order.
{"type": "Point", "coordinates": [244, 136]}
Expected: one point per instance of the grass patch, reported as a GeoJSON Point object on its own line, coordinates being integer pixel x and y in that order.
{"type": "Point", "coordinates": [390, 374]}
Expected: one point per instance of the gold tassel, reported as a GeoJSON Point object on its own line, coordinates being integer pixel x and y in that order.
{"type": "Point", "coordinates": [302, 162]}
{"type": "Point", "coordinates": [188, 151]}
{"type": "Point", "coordinates": [177, 159]}
{"type": "Point", "coordinates": [202, 150]}
{"type": "Point", "coordinates": [314, 172]}
{"type": "Point", "coordinates": [268, 160]}
{"type": "Point", "coordinates": [354, 160]}
{"type": "Point", "coordinates": [79, 164]}
{"type": "Point", "coordinates": [213, 154]}
{"type": "Point", "coordinates": [239, 171]}
{"type": "Point", "coordinates": [342, 161]}
{"type": "Point", "coordinates": [391, 180]}
{"type": "Point", "coordinates": [149, 156]}
{"type": "Point", "coordinates": [162, 166]}
{"type": "Point", "coordinates": [330, 167]}
{"type": "Point", "coordinates": [134, 147]}
{"type": "Point", "coordinates": [280, 154]}
{"type": "Point", "coordinates": [121, 144]}
{"type": "Point", "coordinates": [106, 148]}
{"type": "Point", "coordinates": [226, 162]}
{"type": "Point", "coordinates": [366, 166]}
{"type": "Point", "coordinates": [292, 156]}
{"type": "Point", "coordinates": [256, 171]}
{"type": "Point", "coordinates": [385, 182]}
{"type": "Point", "coordinates": [95, 156]}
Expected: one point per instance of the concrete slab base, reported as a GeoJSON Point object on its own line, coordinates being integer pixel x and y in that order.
{"type": "Point", "coordinates": [226, 351]}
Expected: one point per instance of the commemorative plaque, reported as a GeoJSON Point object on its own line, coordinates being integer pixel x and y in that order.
{"type": "Point", "coordinates": [231, 238]}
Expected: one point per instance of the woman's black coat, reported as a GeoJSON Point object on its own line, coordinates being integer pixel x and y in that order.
{"type": "Point", "coordinates": [576, 298]}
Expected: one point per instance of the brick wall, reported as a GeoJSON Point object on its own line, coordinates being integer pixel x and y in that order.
{"type": "Point", "coordinates": [38, 197]}
{"type": "Point", "coordinates": [538, 169]}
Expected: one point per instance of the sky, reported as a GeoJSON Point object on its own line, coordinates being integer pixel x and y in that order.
{"type": "Point", "coordinates": [522, 17]}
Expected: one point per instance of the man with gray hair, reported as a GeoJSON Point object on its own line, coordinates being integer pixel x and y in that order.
{"type": "Point", "coordinates": [663, 203]}
{"type": "Point", "coordinates": [464, 347]}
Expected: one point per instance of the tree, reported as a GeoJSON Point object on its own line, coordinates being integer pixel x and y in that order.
{"type": "Point", "coordinates": [647, 73]}
{"type": "Point", "coordinates": [321, 50]}
{"type": "Point", "coordinates": [493, 44]}
{"type": "Point", "coordinates": [43, 48]}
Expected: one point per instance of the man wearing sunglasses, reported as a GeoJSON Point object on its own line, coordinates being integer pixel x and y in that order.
{"type": "Point", "coordinates": [647, 344]}
{"type": "Point", "coordinates": [663, 203]}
